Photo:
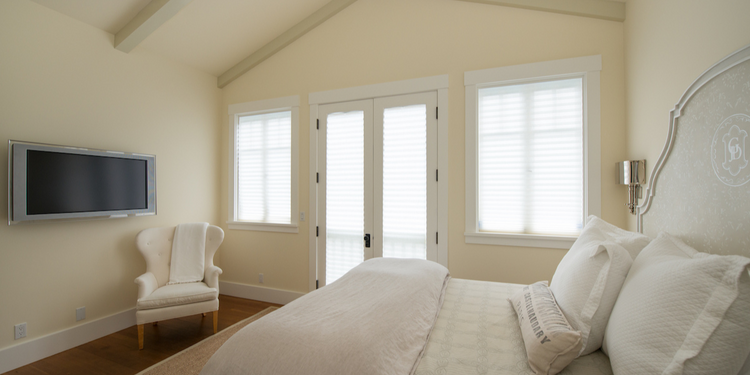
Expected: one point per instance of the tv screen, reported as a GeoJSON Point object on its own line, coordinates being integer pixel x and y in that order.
{"type": "Point", "coordinates": [53, 182]}
{"type": "Point", "coordinates": [59, 183]}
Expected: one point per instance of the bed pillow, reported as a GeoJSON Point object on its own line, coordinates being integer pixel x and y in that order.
{"type": "Point", "coordinates": [589, 277]}
{"type": "Point", "coordinates": [681, 312]}
{"type": "Point", "coordinates": [746, 368]}
{"type": "Point", "coordinates": [632, 242]}
{"type": "Point", "coordinates": [551, 343]}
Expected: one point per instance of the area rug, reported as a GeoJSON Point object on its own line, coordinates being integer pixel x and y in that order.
{"type": "Point", "coordinates": [191, 360]}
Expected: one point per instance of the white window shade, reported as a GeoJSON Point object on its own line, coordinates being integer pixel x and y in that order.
{"type": "Point", "coordinates": [345, 202]}
{"type": "Point", "coordinates": [263, 161]}
{"type": "Point", "coordinates": [405, 182]}
{"type": "Point", "coordinates": [530, 158]}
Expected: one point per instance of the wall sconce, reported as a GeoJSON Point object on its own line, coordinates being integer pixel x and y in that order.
{"type": "Point", "coordinates": [633, 174]}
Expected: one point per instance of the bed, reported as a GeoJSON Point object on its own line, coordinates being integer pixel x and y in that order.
{"type": "Point", "coordinates": [675, 310]}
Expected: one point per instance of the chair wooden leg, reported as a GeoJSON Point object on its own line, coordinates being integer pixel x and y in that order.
{"type": "Point", "coordinates": [140, 337]}
{"type": "Point", "coordinates": [216, 321]}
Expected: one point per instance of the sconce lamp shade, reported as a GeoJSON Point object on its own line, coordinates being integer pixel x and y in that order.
{"type": "Point", "coordinates": [631, 172]}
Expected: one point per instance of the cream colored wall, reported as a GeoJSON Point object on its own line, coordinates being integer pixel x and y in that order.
{"type": "Point", "coordinates": [62, 82]}
{"type": "Point", "coordinates": [669, 43]}
{"type": "Point", "coordinates": [375, 41]}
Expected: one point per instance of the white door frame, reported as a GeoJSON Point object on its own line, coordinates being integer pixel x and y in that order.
{"type": "Point", "coordinates": [437, 84]}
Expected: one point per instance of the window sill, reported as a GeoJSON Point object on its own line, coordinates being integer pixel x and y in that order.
{"type": "Point", "coordinates": [263, 227]}
{"type": "Point", "coordinates": [524, 240]}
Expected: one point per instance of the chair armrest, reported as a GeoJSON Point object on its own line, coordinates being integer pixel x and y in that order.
{"type": "Point", "coordinates": [147, 284]}
{"type": "Point", "coordinates": [212, 276]}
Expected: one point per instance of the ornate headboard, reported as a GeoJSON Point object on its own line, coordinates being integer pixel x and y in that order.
{"type": "Point", "coordinates": [699, 189]}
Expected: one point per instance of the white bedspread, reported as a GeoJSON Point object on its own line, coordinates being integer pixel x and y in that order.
{"type": "Point", "coordinates": [374, 320]}
{"type": "Point", "coordinates": [477, 333]}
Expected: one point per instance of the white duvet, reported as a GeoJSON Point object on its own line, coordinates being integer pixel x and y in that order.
{"type": "Point", "coordinates": [374, 320]}
{"type": "Point", "coordinates": [477, 333]}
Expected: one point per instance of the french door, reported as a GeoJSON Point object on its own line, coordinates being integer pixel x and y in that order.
{"type": "Point", "coordinates": [377, 189]}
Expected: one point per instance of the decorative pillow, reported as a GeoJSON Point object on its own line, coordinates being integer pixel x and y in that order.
{"type": "Point", "coordinates": [551, 343]}
{"type": "Point", "coordinates": [589, 277]}
{"type": "Point", "coordinates": [681, 312]}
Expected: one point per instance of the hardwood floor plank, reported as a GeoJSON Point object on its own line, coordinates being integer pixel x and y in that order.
{"type": "Point", "coordinates": [118, 353]}
{"type": "Point", "coordinates": [77, 361]}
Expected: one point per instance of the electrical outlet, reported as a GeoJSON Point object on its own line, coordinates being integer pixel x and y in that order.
{"type": "Point", "coordinates": [301, 216]}
{"type": "Point", "coordinates": [80, 313]}
{"type": "Point", "coordinates": [260, 278]}
{"type": "Point", "coordinates": [20, 331]}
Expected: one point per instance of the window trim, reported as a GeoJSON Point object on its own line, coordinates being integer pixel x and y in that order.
{"type": "Point", "coordinates": [588, 68]}
{"type": "Point", "coordinates": [235, 111]}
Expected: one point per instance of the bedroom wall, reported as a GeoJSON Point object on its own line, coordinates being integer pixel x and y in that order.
{"type": "Point", "coordinates": [376, 41]}
{"type": "Point", "coordinates": [668, 44]}
{"type": "Point", "coordinates": [62, 82]}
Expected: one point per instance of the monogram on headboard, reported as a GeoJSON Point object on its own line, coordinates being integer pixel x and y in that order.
{"type": "Point", "coordinates": [734, 145]}
{"type": "Point", "coordinates": [728, 150]}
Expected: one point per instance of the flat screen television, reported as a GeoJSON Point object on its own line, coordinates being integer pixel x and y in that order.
{"type": "Point", "coordinates": [49, 182]}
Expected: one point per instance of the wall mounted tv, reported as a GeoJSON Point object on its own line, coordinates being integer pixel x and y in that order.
{"type": "Point", "coordinates": [47, 182]}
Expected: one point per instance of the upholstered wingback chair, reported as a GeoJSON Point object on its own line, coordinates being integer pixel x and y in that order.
{"type": "Point", "coordinates": [158, 301]}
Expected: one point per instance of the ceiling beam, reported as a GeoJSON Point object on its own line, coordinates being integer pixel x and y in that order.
{"type": "Point", "coordinates": [150, 18]}
{"type": "Point", "coordinates": [602, 9]}
{"type": "Point", "coordinates": [283, 40]}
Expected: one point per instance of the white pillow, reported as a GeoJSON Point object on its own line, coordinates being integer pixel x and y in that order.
{"type": "Point", "coordinates": [681, 312]}
{"type": "Point", "coordinates": [551, 343]}
{"type": "Point", "coordinates": [588, 279]}
{"type": "Point", "coordinates": [746, 368]}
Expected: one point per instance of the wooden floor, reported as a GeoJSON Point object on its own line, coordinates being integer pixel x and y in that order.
{"type": "Point", "coordinates": [118, 353]}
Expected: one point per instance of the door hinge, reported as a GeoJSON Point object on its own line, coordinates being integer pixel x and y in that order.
{"type": "Point", "coordinates": [436, 113]}
{"type": "Point", "coordinates": [317, 231]}
{"type": "Point", "coordinates": [317, 285]}
{"type": "Point", "coordinates": [317, 177]}
{"type": "Point", "coordinates": [436, 175]}
{"type": "Point", "coordinates": [317, 124]}
{"type": "Point", "coordinates": [436, 237]}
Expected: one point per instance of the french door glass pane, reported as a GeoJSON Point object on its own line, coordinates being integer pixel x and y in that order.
{"type": "Point", "coordinates": [405, 181]}
{"type": "Point", "coordinates": [344, 193]}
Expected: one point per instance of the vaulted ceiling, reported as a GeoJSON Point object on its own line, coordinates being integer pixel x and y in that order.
{"type": "Point", "coordinates": [209, 35]}
{"type": "Point", "coordinates": [225, 38]}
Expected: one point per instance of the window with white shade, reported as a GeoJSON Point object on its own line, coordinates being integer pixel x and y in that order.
{"type": "Point", "coordinates": [532, 141]}
{"type": "Point", "coordinates": [264, 168]}
{"type": "Point", "coordinates": [530, 158]}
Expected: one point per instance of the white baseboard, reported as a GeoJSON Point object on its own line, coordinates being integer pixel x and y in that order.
{"type": "Point", "coordinates": [42, 347]}
{"type": "Point", "coordinates": [258, 293]}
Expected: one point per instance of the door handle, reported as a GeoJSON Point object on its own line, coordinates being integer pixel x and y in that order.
{"type": "Point", "coordinates": [367, 239]}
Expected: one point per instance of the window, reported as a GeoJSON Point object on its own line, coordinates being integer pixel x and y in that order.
{"type": "Point", "coordinates": [532, 145]}
{"type": "Point", "coordinates": [263, 192]}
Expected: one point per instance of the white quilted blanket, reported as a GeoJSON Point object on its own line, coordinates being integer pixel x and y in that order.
{"type": "Point", "coordinates": [374, 320]}
{"type": "Point", "coordinates": [477, 333]}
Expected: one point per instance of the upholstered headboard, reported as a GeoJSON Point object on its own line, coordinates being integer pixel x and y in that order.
{"type": "Point", "coordinates": [699, 189]}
